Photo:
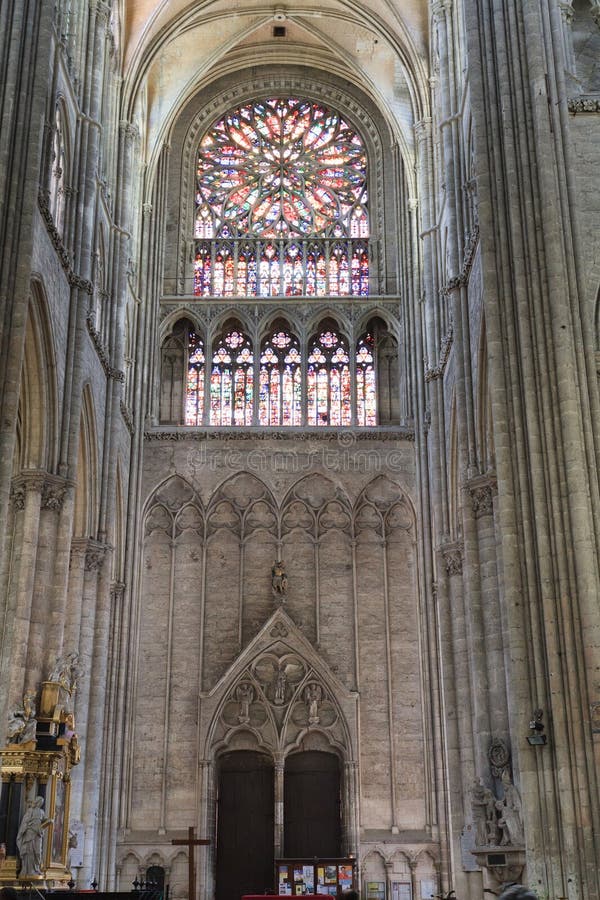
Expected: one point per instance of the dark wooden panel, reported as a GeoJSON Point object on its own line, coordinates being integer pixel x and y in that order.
{"type": "Point", "coordinates": [245, 825]}
{"type": "Point", "coordinates": [312, 805]}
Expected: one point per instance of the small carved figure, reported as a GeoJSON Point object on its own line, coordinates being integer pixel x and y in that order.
{"type": "Point", "coordinates": [484, 813]}
{"type": "Point", "coordinates": [22, 722]}
{"type": "Point", "coordinates": [280, 683]}
{"type": "Point", "coordinates": [30, 836]}
{"type": "Point", "coordinates": [312, 697]}
{"type": "Point", "coordinates": [244, 694]}
{"type": "Point", "coordinates": [511, 812]}
{"type": "Point", "coordinates": [279, 580]}
{"type": "Point", "coordinates": [67, 671]}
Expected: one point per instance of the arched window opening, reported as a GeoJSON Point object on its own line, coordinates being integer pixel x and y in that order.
{"type": "Point", "coordinates": [366, 382]}
{"type": "Point", "coordinates": [281, 203]}
{"type": "Point", "coordinates": [328, 378]}
{"type": "Point", "coordinates": [194, 396]}
{"type": "Point", "coordinates": [182, 376]}
{"type": "Point", "coordinates": [59, 169]}
{"type": "Point", "coordinates": [232, 378]}
{"type": "Point", "coordinates": [377, 376]}
{"type": "Point", "coordinates": [280, 379]}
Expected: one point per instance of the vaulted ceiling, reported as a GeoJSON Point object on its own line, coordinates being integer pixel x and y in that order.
{"type": "Point", "coordinates": [172, 48]}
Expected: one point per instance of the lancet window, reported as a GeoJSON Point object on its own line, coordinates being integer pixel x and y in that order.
{"type": "Point", "coordinates": [328, 379]}
{"type": "Point", "coordinates": [280, 379]}
{"type": "Point", "coordinates": [366, 381]}
{"type": "Point", "coordinates": [281, 203]}
{"type": "Point", "coordinates": [232, 379]}
{"type": "Point", "coordinates": [325, 381]}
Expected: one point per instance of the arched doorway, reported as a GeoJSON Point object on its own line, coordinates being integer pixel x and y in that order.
{"type": "Point", "coordinates": [312, 812]}
{"type": "Point", "coordinates": [245, 805]}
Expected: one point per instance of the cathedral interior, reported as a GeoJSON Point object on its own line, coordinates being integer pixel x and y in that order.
{"type": "Point", "coordinates": [299, 439]}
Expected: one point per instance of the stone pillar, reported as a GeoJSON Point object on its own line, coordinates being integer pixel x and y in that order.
{"type": "Point", "coordinates": [279, 772]}
{"type": "Point", "coordinates": [27, 498]}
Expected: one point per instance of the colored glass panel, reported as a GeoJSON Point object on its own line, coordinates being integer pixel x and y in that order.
{"type": "Point", "coordinates": [231, 381]}
{"type": "Point", "coordinates": [194, 398]}
{"type": "Point", "coordinates": [328, 381]}
{"type": "Point", "coordinates": [279, 171]}
{"type": "Point", "coordinates": [366, 383]}
{"type": "Point", "coordinates": [280, 381]}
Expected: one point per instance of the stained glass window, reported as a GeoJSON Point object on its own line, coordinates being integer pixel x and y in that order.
{"type": "Point", "coordinates": [366, 384]}
{"type": "Point", "coordinates": [280, 379]}
{"type": "Point", "coordinates": [328, 380]}
{"type": "Point", "coordinates": [281, 203]}
{"type": "Point", "coordinates": [194, 395]}
{"type": "Point", "coordinates": [232, 379]}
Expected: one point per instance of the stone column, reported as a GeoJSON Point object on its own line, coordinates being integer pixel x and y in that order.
{"type": "Point", "coordinates": [27, 497]}
{"type": "Point", "coordinates": [483, 490]}
{"type": "Point", "coordinates": [278, 774]}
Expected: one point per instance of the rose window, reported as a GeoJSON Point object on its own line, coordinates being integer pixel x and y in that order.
{"type": "Point", "coordinates": [281, 204]}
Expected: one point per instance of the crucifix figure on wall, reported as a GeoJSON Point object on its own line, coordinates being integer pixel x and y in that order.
{"type": "Point", "coordinates": [190, 842]}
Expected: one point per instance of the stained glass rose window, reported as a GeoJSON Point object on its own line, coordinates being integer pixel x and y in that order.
{"type": "Point", "coordinates": [281, 203]}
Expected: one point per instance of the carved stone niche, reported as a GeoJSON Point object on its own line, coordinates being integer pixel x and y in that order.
{"type": "Point", "coordinates": [503, 864]}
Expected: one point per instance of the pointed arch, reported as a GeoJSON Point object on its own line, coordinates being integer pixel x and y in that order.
{"type": "Point", "coordinates": [85, 518]}
{"type": "Point", "coordinates": [38, 410]}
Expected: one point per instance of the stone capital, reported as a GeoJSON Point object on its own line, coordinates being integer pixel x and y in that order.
{"type": "Point", "coordinates": [482, 489]}
{"type": "Point", "coordinates": [28, 481]}
{"type": "Point", "coordinates": [54, 492]}
{"type": "Point", "coordinates": [453, 558]}
{"type": "Point", "coordinates": [129, 130]}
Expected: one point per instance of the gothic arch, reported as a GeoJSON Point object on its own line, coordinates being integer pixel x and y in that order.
{"type": "Point", "coordinates": [85, 517]}
{"type": "Point", "coordinates": [37, 401]}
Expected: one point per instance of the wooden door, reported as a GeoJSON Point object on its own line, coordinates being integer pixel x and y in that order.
{"type": "Point", "coordinates": [245, 850]}
{"type": "Point", "coordinates": [312, 822]}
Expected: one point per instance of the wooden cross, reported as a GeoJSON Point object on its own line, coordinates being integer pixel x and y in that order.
{"type": "Point", "coordinates": [190, 842]}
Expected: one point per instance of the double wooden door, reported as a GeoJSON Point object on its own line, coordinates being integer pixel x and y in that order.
{"type": "Point", "coordinates": [246, 820]}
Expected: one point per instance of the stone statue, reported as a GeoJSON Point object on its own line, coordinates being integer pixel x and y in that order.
{"type": "Point", "coordinates": [22, 722]}
{"type": "Point", "coordinates": [312, 697]}
{"type": "Point", "coordinates": [280, 683]}
{"type": "Point", "coordinates": [510, 813]}
{"type": "Point", "coordinates": [66, 672]}
{"type": "Point", "coordinates": [30, 836]}
{"type": "Point", "coordinates": [484, 814]}
{"type": "Point", "coordinates": [279, 580]}
{"type": "Point", "coordinates": [244, 694]}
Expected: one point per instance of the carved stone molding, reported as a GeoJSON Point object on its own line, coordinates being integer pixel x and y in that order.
{"type": "Point", "coordinates": [129, 130]}
{"type": "Point", "coordinates": [261, 434]}
{"type": "Point", "coordinates": [434, 372]}
{"type": "Point", "coordinates": [54, 493]}
{"type": "Point", "coordinates": [483, 489]}
{"type": "Point", "coordinates": [127, 417]}
{"type": "Point", "coordinates": [91, 553]}
{"type": "Point", "coordinates": [587, 103]}
{"type": "Point", "coordinates": [29, 481]}
{"type": "Point", "coordinates": [57, 242]}
{"type": "Point", "coordinates": [453, 558]}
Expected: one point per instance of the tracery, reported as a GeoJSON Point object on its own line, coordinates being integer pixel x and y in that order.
{"type": "Point", "coordinates": [232, 379]}
{"type": "Point", "coordinates": [281, 203]}
{"type": "Point", "coordinates": [280, 379]}
{"type": "Point", "coordinates": [328, 379]}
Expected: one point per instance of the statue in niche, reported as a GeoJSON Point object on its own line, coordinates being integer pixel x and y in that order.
{"type": "Point", "coordinates": [312, 697]}
{"type": "Point", "coordinates": [22, 722]}
{"type": "Point", "coordinates": [483, 805]}
{"type": "Point", "coordinates": [280, 683]}
{"type": "Point", "coordinates": [244, 694]}
{"type": "Point", "coordinates": [511, 818]}
{"type": "Point", "coordinates": [30, 836]}
{"type": "Point", "coordinates": [279, 580]}
{"type": "Point", "coordinates": [66, 672]}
